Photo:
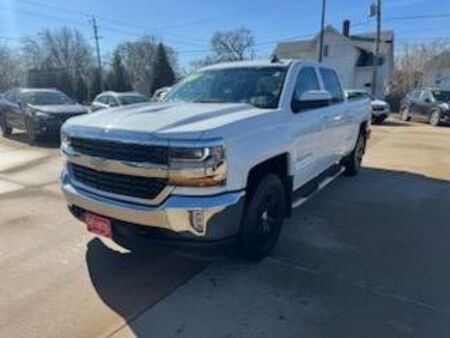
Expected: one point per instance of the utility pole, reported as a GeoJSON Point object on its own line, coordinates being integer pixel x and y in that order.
{"type": "Point", "coordinates": [99, 58]}
{"type": "Point", "coordinates": [376, 60]}
{"type": "Point", "coordinates": [322, 28]}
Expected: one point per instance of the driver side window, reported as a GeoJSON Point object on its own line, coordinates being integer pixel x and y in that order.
{"type": "Point", "coordinates": [112, 101]}
{"type": "Point", "coordinates": [426, 97]}
{"type": "Point", "coordinates": [306, 80]}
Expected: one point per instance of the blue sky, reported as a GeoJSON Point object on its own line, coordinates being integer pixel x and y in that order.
{"type": "Point", "coordinates": [188, 25]}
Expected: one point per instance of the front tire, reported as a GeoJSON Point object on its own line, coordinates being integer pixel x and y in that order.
{"type": "Point", "coordinates": [6, 130]}
{"type": "Point", "coordinates": [404, 114]}
{"type": "Point", "coordinates": [31, 131]}
{"type": "Point", "coordinates": [263, 218]}
{"type": "Point", "coordinates": [352, 162]}
{"type": "Point", "coordinates": [435, 118]}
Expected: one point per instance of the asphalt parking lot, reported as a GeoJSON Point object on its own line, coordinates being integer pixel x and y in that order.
{"type": "Point", "coordinates": [367, 257]}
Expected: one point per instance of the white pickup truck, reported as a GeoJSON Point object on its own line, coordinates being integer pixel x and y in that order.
{"type": "Point", "coordinates": [221, 161]}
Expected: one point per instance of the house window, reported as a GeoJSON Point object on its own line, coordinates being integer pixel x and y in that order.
{"type": "Point", "coordinates": [326, 50]}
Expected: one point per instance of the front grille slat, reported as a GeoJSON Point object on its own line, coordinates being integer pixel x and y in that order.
{"type": "Point", "coordinates": [133, 186]}
{"type": "Point", "coordinates": [119, 151]}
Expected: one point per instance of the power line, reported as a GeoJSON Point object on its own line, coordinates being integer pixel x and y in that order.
{"type": "Point", "coordinates": [180, 39]}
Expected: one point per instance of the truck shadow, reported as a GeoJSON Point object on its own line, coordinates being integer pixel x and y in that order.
{"type": "Point", "coordinates": [129, 282]}
{"type": "Point", "coordinates": [369, 230]}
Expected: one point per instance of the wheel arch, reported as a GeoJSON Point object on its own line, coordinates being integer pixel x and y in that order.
{"type": "Point", "coordinates": [278, 165]}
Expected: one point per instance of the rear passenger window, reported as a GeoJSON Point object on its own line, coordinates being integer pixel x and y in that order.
{"type": "Point", "coordinates": [332, 84]}
{"type": "Point", "coordinates": [112, 102]}
{"type": "Point", "coordinates": [306, 80]}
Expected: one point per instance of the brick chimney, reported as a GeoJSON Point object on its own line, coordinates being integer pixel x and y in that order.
{"type": "Point", "coordinates": [346, 28]}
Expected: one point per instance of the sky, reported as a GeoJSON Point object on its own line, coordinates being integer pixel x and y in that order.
{"type": "Point", "coordinates": [187, 26]}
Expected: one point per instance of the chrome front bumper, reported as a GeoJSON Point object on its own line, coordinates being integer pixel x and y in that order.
{"type": "Point", "coordinates": [199, 216]}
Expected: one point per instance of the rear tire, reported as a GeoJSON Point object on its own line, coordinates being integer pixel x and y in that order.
{"type": "Point", "coordinates": [6, 130]}
{"type": "Point", "coordinates": [435, 118]}
{"type": "Point", "coordinates": [352, 162]}
{"type": "Point", "coordinates": [378, 120]}
{"type": "Point", "coordinates": [263, 218]}
{"type": "Point", "coordinates": [404, 114]}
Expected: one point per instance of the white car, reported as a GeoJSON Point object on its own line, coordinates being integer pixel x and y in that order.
{"type": "Point", "coordinates": [221, 161]}
{"type": "Point", "coordinates": [112, 99]}
{"type": "Point", "coordinates": [380, 109]}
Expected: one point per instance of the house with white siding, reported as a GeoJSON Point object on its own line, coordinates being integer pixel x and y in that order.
{"type": "Point", "coordinates": [351, 55]}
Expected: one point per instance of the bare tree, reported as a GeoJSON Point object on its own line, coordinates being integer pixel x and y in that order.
{"type": "Point", "coordinates": [138, 58]}
{"type": "Point", "coordinates": [63, 50]}
{"type": "Point", "coordinates": [235, 45]}
{"type": "Point", "coordinates": [11, 69]}
{"type": "Point", "coordinates": [412, 62]}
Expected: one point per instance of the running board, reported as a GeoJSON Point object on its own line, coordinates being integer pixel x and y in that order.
{"type": "Point", "coordinates": [298, 202]}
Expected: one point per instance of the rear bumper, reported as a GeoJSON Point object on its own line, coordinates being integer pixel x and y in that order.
{"type": "Point", "coordinates": [188, 219]}
{"type": "Point", "coordinates": [380, 113]}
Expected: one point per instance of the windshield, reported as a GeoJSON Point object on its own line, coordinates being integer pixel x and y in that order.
{"type": "Point", "coordinates": [260, 87]}
{"type": "Point", "coordinates": [132, 99]}
{"type": "Point", "coordinates": [47, 98]}
{"type": "Point", "coordinates": [358, 95]}
{"type": "Point", "coordinates": [441, 95]}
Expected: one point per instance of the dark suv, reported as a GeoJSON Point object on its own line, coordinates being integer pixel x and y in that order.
{"type": "Point", "coordinates": [431, 105]}
{"type": "Point", "coordinates": [37, 111]}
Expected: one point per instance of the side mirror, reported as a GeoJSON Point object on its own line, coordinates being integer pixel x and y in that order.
{"type": "Point", "coordinates": [311, 99]}
{"type": "Point", "coordinates": [427, 100]}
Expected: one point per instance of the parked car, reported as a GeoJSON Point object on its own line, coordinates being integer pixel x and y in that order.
{"type": "Point", "coordinates": [37, 111]}
{"type": "Point", "coordinates": [115, 99]}
{"type": "Point", "coordinates": [220, 161]}
{"type": "Point", "coordinates": [380, 109]}
{"type": "Point", "coordinates": [161, 93]}
{"type": "Point", "coordinates": [429, 104]}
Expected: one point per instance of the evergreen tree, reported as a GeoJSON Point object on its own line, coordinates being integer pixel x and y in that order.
{"type": "Point", "coordinates": [163, 74]}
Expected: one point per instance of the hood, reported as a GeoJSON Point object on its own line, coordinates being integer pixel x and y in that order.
{"type": "Point", "coordinates": [168, 118]}
{"type": "Point", "coordinates": [379, 103]}
{"type": "Point", "coordinates": [60, 109]}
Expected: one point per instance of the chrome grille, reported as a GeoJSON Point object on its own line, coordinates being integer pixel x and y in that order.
{"type": "Point", "coordinates": [114, 150]}
{"type": "Point", "coordinates": [133, 186]}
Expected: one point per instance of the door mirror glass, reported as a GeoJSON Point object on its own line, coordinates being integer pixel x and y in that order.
{"type": "Point", "coordinates": [427, 100]}
{"type": "Point", "coordinates": [311, 99]}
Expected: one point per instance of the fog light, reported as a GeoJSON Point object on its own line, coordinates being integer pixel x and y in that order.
{"type": "Point", "coordinates": [197, 219]}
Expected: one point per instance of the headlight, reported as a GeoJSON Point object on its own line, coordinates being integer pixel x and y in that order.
{"type": "Point", "coordinates": [65, 140]}
{"type": "Point", "coordinates": [197, 166]}
{"type": "Point", "coordinates": [41, 115]}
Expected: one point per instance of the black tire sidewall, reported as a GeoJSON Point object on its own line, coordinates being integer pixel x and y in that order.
{"type": "Point", "coordinates": [31, 134]}
{"type": "Point", "coordinates": [249, 245]}
{"type": "Point", "coordinates": [351, 166]}
{"type": "Point", "coordinates": [6, 130]}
